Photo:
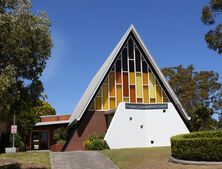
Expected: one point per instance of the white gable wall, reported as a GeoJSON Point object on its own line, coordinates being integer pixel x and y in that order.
{"type": "Point", "coordinates": [157, 126]}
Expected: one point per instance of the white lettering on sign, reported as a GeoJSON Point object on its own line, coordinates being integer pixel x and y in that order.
{"type": "Point", "coordinates": [13, 129]}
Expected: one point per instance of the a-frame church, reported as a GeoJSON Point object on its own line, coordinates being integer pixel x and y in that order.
{"type": "Point", "coordinates": [129, 101]}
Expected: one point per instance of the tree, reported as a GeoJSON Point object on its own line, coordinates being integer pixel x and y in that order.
{"type": "Point", "coordinates": [209, 15]}
{"type": "Point", "coordinates": [44, 108]}
{"type": "Point", "coordinates": [199, 92]}
{"type": "Point", "coordinates": [25, 46]}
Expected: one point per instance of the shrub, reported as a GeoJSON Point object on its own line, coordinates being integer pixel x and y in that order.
{"type": "Point", "coordinates": [198, 146]}
{"type": "Point", "coordinates": [95, 142]}
{"type": "Point", "coordinates": [19, 143]}
{"type": "Point", "coordinates": [60, 135]}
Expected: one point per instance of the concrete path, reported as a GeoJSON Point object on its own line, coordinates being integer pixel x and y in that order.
{"type": "Point", "coordinates": [81, 160]}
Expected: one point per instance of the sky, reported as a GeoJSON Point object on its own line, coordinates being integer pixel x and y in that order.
{"type": "Point", "coordinates": [84, 33]}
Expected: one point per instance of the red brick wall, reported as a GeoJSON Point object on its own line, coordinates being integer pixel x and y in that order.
{"type": "Point", "coordinates": [91, 122]}
{"type": "Point", "coordinates": [50, 129]}
{"type": "Point", "coordinates": [54, 118]}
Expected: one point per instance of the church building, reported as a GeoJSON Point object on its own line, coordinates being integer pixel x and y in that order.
{"type": "Point", "coordinates": [129, 101]}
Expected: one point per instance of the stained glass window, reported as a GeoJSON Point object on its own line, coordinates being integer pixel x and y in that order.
{"type": "Point", "coordinates": [129, 80]}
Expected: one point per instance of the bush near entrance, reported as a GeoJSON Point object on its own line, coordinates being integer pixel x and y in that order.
{"type": "Point", "coordinates": [198, 146]}
{"type": "Point", "coordinates": [95, 142]}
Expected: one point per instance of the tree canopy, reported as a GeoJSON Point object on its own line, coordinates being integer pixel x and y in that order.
{"type": "Point", "coordinates": [44, 108]}
{"type": "Point", "coordinates": [209, 15]}
{"type": "Point", "coordinates": [25, 46]}
{"type": "Point", "coordinates": [200, 93]}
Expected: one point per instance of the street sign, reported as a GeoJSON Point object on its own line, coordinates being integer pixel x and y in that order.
{"type": "Point", "coordinates": [13, 129]}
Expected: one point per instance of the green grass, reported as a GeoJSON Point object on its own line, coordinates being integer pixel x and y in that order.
{"type": "Point", "coordinates": [36, 158]}
{"type": "Point", "coordinates": [148, 158]}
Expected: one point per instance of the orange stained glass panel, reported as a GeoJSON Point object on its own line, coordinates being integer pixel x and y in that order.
{"type": "Point", "coordinates": [125, 84]}
{"type": "Point", "coordinates": [112, 103]}
{"type": "Point", "coordinates": [132, 78]}
{"type": "Point", "coordinates": [158, 94]}
{"type": "Point", "coordinates": [105, 97]}
{"type": "Point", "coordinates": [139, 100]}
{"type": "Point", "coordinates": [119, 93]}
{"type": "Point", "coordinates": [112, 84]}
{"type": "Point", "coordinates": [98, 103]}
{"type": "Point", "coordinates": [118, 77]}
{"type": "Point", "coordinates": [152, 100]}
{"type": "Point", "coordinates": [145, 78]}
{"type": "Point", "coordinates": [132, 93]}
{"type": "Point", "coordinates": [145, 94]}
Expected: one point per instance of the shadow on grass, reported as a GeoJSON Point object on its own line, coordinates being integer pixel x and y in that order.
{"type": "Point", "coordinates": [11, 166]}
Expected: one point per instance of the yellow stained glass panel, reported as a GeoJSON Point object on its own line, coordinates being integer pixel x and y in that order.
{"type": "Point", "coordinates": [105, 96]}
{"type": "Point", "coordinates": [152, 100]}
{"type": "Point", "coordinates": [126, 99]}
{"type": "Point", "coordinates": [139, 85]}
{"type": "Point", "coordinates": [119, 93]}
{"type": "Point", "coordinates": [132, 78]}
{"type": "Point", "coordinates": [152, 85]}
{"type": "Point", "coordinates": [158, 94]}
{"type": "Point", "coordinates": [112, 103]}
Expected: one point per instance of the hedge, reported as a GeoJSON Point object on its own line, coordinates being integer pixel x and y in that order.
{"type": "Point", "coordinates": [198, 146]}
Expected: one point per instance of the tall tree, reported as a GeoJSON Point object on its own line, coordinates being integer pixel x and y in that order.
{"type": "Point", "coordinates": [199, 92]}
{"type": "Point", "coordinates": [25, 46]}
{"type": "Point", "coordinates": [209, 15]}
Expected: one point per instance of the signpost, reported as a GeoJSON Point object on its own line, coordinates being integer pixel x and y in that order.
{"type": "Point", "coordinates": [13, 132]}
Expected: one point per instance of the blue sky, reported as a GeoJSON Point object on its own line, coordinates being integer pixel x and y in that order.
{"type": "Point", "coordinates": [85, 32]}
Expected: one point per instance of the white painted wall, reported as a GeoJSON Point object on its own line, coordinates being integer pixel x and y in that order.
{"type": "Point", "coordinates": [157, 126]}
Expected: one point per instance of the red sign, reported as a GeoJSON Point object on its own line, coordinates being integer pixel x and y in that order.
{"type": "Point", "coordinates": [13, 129]}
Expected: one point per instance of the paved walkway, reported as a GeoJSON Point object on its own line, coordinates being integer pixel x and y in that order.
{"type": "Point", "coordinates": [81, 160]}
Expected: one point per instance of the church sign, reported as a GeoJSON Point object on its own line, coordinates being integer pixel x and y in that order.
{"type": "Point", "coordinates": [146, 106]}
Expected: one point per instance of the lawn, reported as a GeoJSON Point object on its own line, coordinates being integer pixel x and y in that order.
{"type": "Point", "coordinates": [148, 158]}
{"type": "Point", "coordinates": [30, 158]}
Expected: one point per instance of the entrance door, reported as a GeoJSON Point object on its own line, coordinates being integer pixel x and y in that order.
{"type": "Point", "coordinates": [40, 140]}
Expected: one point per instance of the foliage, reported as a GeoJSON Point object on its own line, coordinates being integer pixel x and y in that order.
{"type": "Point", "coordinates": [60, 134]}
{"type": "Point", "coordinates": [209, 15]}
{"type": "Point", "coordinates": [44, 108]}
{"type": "Point", "coordinates": [199, 92]}
{"type": "Point", "coordinates": [95, 142]}
{"type": "Point", "coordinates": [202, 119]}
{"type": "Point", "coordinates": [19, 143]}
{"type": "Point", "coordinates": [25, 46]}
{"type": "Point", "coordinates": [198, 146]}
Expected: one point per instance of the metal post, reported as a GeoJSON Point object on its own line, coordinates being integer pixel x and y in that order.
{"type": "Point", "coordinates": [13, 135]}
